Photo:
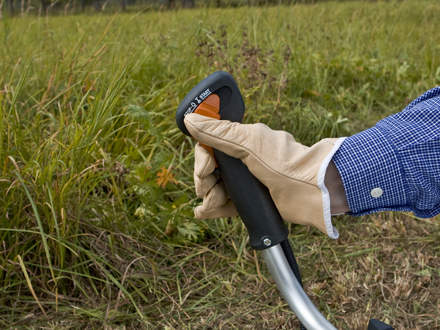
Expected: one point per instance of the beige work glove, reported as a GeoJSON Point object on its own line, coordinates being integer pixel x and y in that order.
{"type": "Point", "coordinates": [293, 173]}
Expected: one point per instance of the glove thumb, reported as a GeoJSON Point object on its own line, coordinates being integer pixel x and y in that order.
{"type": "Point", "coordinates": [223, 135]}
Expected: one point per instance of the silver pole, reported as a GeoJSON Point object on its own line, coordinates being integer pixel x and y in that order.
{"type": "Point", "coordinates": [292, 291]}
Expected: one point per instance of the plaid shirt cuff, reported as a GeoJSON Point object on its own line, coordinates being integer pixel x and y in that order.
{"type": "Point", "coordinates": [371, 173]}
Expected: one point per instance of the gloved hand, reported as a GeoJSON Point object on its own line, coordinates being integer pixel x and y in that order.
{"type": "Point", "coordinates": [293, 173]}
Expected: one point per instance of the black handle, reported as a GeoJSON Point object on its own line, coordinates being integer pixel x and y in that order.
{"type": "Point", "coordinates": [253, 202]}
{"type": "Point", "coordinates": [251, 198]}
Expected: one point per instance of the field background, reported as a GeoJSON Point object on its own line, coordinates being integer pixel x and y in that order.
{"type": "Point", "coordinates": [96, 226]}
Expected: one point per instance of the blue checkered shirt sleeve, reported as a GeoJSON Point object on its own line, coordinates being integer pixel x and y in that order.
{"type": "Point", "coordinates": [395, 165]}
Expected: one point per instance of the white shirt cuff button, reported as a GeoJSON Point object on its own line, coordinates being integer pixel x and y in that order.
{"type": "Point", "coordinates": [376, 192]}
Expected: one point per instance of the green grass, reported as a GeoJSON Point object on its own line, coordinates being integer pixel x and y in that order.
{"type": "Point", "coordinates": [89, 239]}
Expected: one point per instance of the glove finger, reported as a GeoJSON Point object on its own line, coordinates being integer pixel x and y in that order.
{"type": "Point", "coordinates": [204, 185]}
{"type": "Point", "coordinates": [204, 166]}
{"type": "Point", "coordinates": [204, 163]}
{"type": "Point", "coordinates": [225, 211]}
{"type": "Point", "coordinates": [264, 151]}
{"type": "Point", "coordinates": [214, 203]}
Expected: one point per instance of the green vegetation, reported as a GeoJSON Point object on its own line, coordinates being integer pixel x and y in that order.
{"type": "Point", "coordinates": [96, 180]}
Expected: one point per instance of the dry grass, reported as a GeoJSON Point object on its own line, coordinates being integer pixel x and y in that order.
{"type": "Point", "coordinates": [391, 274]}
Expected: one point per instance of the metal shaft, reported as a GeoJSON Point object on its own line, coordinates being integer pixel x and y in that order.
{"type": "Point", "coordinates": [292, 291]}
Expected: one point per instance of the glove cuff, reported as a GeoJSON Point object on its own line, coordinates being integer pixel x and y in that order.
{"type": "Point", "coordinates": [332, 232]}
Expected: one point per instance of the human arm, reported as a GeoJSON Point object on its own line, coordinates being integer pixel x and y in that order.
{"type": "Point", "coordinates": [391, 166]}
{"type": "Point", "coordinates": [395, 165]}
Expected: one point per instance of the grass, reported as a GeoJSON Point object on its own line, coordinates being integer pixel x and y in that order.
{"type": "Point", "coordinates": [97, 227]}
